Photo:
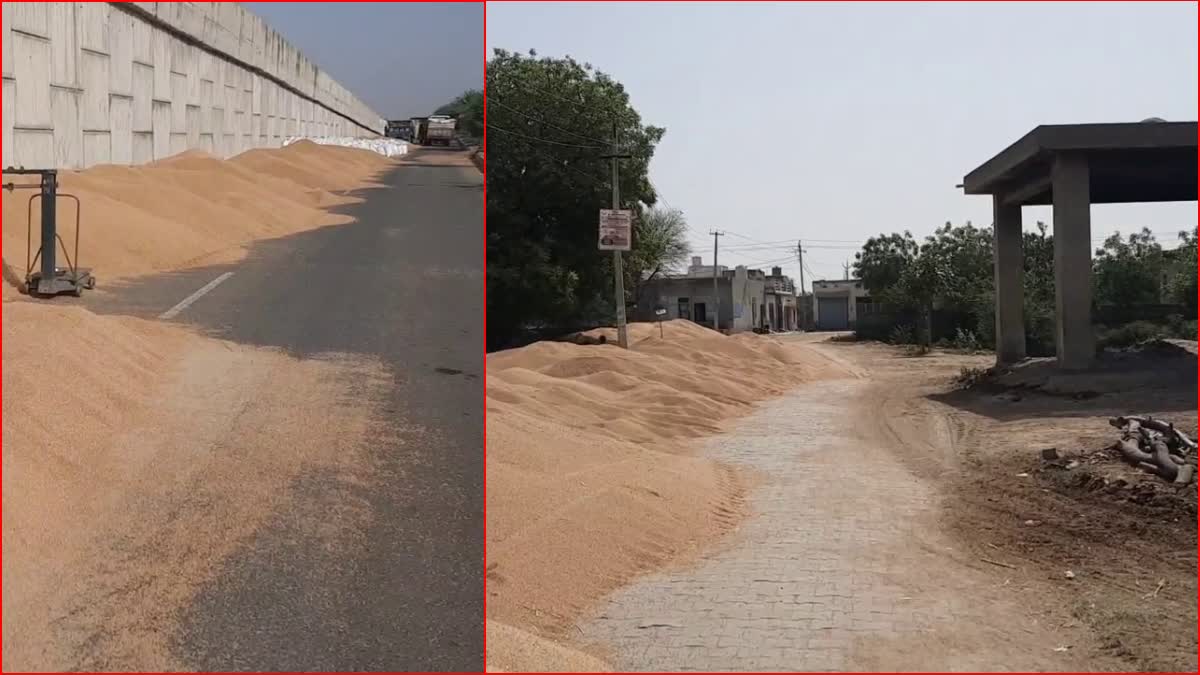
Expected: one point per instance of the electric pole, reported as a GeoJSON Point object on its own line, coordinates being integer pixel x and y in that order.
{"type": "Point", "coordinates": [618, 272]}
{"type": "Point", "coordinates": [716, 288]}
{"type": "Point", "coordinates": [846, 271]}
{"type": "Point", "coordinates": [800, 255]}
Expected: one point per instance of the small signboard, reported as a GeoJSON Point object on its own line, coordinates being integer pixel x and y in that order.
{"type": "Point", "coordinates": [616, 229]}
{"type": "Point", "coordinates": [660, 311]}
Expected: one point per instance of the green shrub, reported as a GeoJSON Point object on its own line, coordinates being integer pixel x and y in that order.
{"type": "Point", "coordinates": [969, 377]}
{"type": "Point", "coordinates": [1129, 335]}
{"type": "Point", "coordinates": [966, 340]}
{"type": "Point", "coordinates": [902, 335]}
{"type": "Point", "coordinates": [1039, 331]}
{"type": "Point", "coordinates": [1178, 327]}
{"type": "Point", "coordinates": [874, 327]}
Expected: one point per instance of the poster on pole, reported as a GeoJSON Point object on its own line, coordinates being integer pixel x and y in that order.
{"type": "Point", "coordinates": [616, 229]}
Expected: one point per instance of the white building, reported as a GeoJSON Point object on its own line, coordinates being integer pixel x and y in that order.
{"type": "Point", "coordinates": [838, 303]}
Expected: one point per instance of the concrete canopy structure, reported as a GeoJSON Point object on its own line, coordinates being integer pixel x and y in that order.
{"type": "Point", "coordinates": [1071, 167]}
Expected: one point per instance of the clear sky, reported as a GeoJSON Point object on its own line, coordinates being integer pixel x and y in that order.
{"type": "Point", "coordinates": [402, 59]}
{"type": "Point", "coordinates": [830, 121]}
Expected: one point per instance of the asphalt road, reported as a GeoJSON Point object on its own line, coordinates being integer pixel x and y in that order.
{"type": "Point", "coordinates": [404, 285]}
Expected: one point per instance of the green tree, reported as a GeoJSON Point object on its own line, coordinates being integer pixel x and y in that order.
{"type": "Point", "coordinates": [962, 257]}
{"type": "Point", "coordinates": [549, 122]}
{"type": "Point", "coordinates": [883, 259]}
{"type": "Point", "coordinates": [1129, 271]}
{"type": "Point", "coordinates": [660, 245]}
{"type": "Point", "coordinates": [1039, 310]}
{"type": "Point", "coordinates": [1181, 280]}
{"type": "Point", "coordinates": [468, 110]}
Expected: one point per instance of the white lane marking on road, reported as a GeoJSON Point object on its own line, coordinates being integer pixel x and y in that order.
{"type": "Point", "coordinates": [186, 302]}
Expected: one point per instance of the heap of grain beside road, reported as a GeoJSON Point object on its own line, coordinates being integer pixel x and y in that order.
{"type": "Point", "coordinates": [75, 471]}
{"type": "Point", "coordinates": [129, 83]}
{"type": "Point", "coordinates": [592, 478]}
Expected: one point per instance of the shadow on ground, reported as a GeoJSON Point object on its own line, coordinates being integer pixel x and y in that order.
{"type": "Point", "coordinates": [1120, 384]}
{"type": "Point", "coordinates": [401, 285]}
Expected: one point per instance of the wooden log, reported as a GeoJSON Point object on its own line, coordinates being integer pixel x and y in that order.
{"type": "Point", "coordinates": [1157, 425]}
{"type": "Point", "coordinates": [1132, 452]}
{"type": "Point", "coordinates": [1149, 467]}
{"type": "Point", "coordinates": [1162, 458]}
{"type": "Point", "coordinates": [1186, 472]}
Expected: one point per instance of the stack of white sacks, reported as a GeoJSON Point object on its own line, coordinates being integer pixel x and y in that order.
{"type": "Point", "coordinates": [388, 147]}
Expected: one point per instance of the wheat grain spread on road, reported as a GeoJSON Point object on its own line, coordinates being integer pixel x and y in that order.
{"type": "Point", "coordinates": [590, 477]}
{"type": "Point", "coordinates": [148, 464]}
{"type": "Point", "coordinates": [712, 503]}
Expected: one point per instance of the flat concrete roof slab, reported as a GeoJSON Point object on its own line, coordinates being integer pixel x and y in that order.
{"type": "Point", "coordinates": [1129, 162]}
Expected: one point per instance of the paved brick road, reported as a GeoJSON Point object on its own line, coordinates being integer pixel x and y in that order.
{"type": "Point", "coordinates": [840, 567]}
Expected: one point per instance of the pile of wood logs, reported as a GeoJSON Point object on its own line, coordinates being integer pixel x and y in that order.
{"type": "Point", "coordinates": [1158, 447]}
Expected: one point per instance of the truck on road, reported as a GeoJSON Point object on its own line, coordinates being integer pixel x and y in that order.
{"type": "Point", "coordinates": [401, 129]}
{"type": "Point", "coordinates": [434, 130]}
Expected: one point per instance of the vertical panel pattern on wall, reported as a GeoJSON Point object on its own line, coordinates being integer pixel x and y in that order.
{"type": "Point", "coordinates": [92, 83]}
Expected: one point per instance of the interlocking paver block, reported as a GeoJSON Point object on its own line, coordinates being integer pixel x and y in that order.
{"type": "Point", "coordinates": [808, 572]}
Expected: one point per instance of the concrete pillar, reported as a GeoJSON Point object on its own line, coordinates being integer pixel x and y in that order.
{"type": "Point", "coordinates": [1009, 268]}
{"type": "Point", "coordinates": [1072, 261]}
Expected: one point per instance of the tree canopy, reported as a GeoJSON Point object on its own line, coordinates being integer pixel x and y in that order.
{"type": "Point", "coordinates": [468, 110]}
{"type": "Point", "coordinates": [1128, 271]}
{"type": "Point", "coordinates": [883, 259]}
{"type": "Point", "coordinates": [1181, 280]}
{"type": "Point", "coordinates": [550, 122]}
{"type": "Point", "coordinates": [662, 246]}
{"type": "Point", "coordinates": [951, 270]}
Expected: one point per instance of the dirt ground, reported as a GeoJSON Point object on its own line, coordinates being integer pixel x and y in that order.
{"type": "Point", "coordinates": [1101, 546]}
{"type": "Point", "coordinates": [1091, 567]}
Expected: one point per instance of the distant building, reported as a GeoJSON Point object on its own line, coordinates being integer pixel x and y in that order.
{"type": "Point", "coordinates": [690, 296]}
{"type": "Point", "coordinates": [839, 303]}
{"type": "Point", "coordinates": [780, 309]}
{"type": "Point", "coordinates": [699, 269]}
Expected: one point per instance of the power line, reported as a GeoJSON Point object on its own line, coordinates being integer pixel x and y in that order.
{"type": "Point", "coordinates": [742, 236]}
{"type": "Point", "coordinates": [658, 193]}
{"type": "Point", "coordinates": [565, 164]}
{"type": "Point", "coordinates": [771, 261]}
{"type": "Point", "coordinates": [542, 121]}
{"type": "Point", "coordinates": [545, 140]}
{"type": "Point", "coordinates": [561, 98]}
{"type": "Point", "coordinates": [758, 247]}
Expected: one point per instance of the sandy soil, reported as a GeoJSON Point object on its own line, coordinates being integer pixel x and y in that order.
{"type": "Point", "coordinates": [1118, 532]}
{"type": "Point", "coordinates": [138, 455]}
{"type": "Point", "coordinates": [590, 476]}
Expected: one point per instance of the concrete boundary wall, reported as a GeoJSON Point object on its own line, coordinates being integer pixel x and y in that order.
{"type": "Point", "coordinates": [129, 83]}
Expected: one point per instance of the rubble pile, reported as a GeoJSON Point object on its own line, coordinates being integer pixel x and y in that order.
{"type": "Point", "coordinates": [1157, 447]}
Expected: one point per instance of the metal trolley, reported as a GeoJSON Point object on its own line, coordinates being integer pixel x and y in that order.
{"type": "Point", "coordinates": [50, 279]}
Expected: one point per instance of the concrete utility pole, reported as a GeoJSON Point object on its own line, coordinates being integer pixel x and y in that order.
{"type": "Point", "coordinates": [618, 272]}
{"type": "Point", "coordinates": [716, 289]}
{"type": "Point", "coordinates": [800, 255]}
{"type": "Point", "coordinates": [846, 271]}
